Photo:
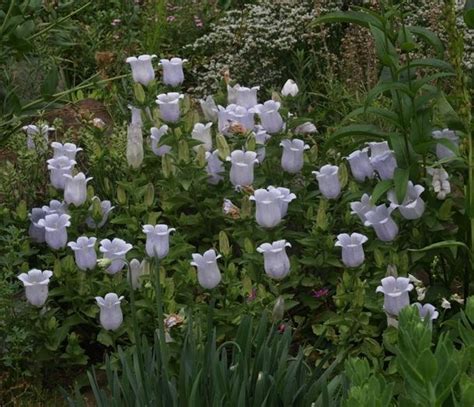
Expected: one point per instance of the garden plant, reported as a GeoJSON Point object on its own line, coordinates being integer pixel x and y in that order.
{"type": "Point", "coordinates": [201, 206]}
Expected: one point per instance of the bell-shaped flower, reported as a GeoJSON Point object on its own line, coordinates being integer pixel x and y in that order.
{"type": "Point", "coordinates": [378, 148]}
{"type": "Point", "coordinates": [135, 271]}
{"type": "Point", "coordinates": [169, 106]}
{"type": "Point", "coordinates": [36, 286]}
{"type": "Point", "coordinates": [427, 312]}
{"type": "Point", "coordinates": [412, 206]}
{"type": "Point", "coordinates": [442, 151]}
{"type": "Point", "coordinates": [36, 232]}
{"type": "Point", "coordinates": [115, 251]}
{"type": "Point", "coordinates": [142, 68]}
{"type": "Point", "coordinates": [202, 133]}
{"type": "Point", "coordinates": [36, 132]}
{"type": "Point", "coordinates": [275, 260]}
{"type": "Point", "coordinates": [134, 146]}
{"type": "Point", "coordinates": [105, 208]}
{"type": "Point", "coordinates": [136, 118]}
{"type": "Point", "coordinates": [214, 168]}
{"type": "Point", "coordinates": [156, 134]}
{"type": "Point", "coordinates": [361, 167]}
{"type": "Point", "coordinates": [234, 114]}
{"type": "Point", "coordinates": [111, 316]}
{"type": "Point", "coordinates": [59, 167]}
{"type": "Point", "coordinates": [306, 128]}
{"type": "Point", "coordinates": [395, 291]}
{"type": "Point", "coordinates": [241, 171]}
{"type": "Point", "coordinates": [209, 108]}
{"type": "Point", "coordinates": [286, 196]}
{"type": "Point", "coordinates": [360, 208]}
{"type": "Point", "coordinates": [352, 250]}
{"type": "Point", "coordinates": [55, 206]}
{"type": "Point", "coordinates": [261, 138]}
{"type": "Point", "coordinates": [75, 189]}
{"type": "Point", "coordinates": [55, 230]}
{"type": "Point", "coordinates": [68, 150]}
{"type": "Point", "coordinates": [243, 96]}
{"type": "Point", "coordinates": [379, 218]}
{"type": "Point", "coordinates": [268, 205]}
{"type": "Point", "coordinates": [292, 158]}
{"type": "Point", "coordinates": [328, 181]}
{"type": "Point", "coordinates": [385, 164]}
{"type": "Point", "coordinates": [208, 275]}
{"type": "Point", "coordinates": [290, 88]}
{"type": "Point", "coordinates": [173, 74]}
{"type": "Point", "coordinates": [270, 118]}
{"type": "Point", "coordinates": [440, 182]}
{"type": "Point", "coordinates": [84, 252]}
{"type": "Point", "coordinates": [157, 240]}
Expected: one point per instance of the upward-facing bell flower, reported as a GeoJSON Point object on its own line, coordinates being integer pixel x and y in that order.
{"type": "Point", "coordinates": [136, 270]}
{"type": "Point", "coordinates": [202, 133]}
{"type": "Point", "coordinates": [59, 167]}
{"type": "Point", "coordinates": [292, 158]}
{"type": "Point", "coordinates": [215, 167]}
{"type": "Point", "coordinates": [270, 118]}
{"type": "Point", "coordinates": [241, 171]}
{"type": "Point", "coordinates": [246, 97]}
{"type": "Point", "coordinates": [412, 206]}
{"type": "Point", "coordinates": [261, 137]}
{"type": "Point", "coordinates": [427, 312]}
{"type": "Point", "coordinates": [156, 134]}
{"type": "Point", "coordinates": [105, 208]}
{"type": "Point", "coordinates": [111, 316]}
{"type": "Point", "coordinates": [275, 260]}
{"type": "Point", "coordinates": [36, 232]}
{"type": "Point", "coordinates": [385, 227]}
{"type": "Point", "coordinates": [169, 106]}
{"type": "Point", "coordinates": [234, 114]}
{"type": "Point", "coordinates": [55, 206]}
{"type": "Point", "coordinates": [360, 208]}
{"type": "Point", "coordinates": [36, 286]}
{"type": "Point", "coordinates": [75, 189]}
{"type": "Point", "coordinates": [306, 128]}
{"type": "Point", "coordinates": [290, 88]}
{"type": "Point", "coordinates": [352, 250]}
{"type": "Point", "coordinates": [395, 291]}
{"type": "Point", "coordinates": [68, 150]}
{"type": "Point", "coordinates": [115, 251]}
{"type": "Point", "coordinates": [361, 167]}
{"type": "Point", "coordinates": [443, 151]}
{"type": "Point", "coordinates": [157, 240]}
{"type": "Point", "coordinates": [142, 68]}
{"type": "Point", "coordinates": [209, 108]}
{"type": "Point", "coordinates": [328, 181]}
{"type": "Point", "coordinates": [378, 148]}
{"type": "Point", "coordinates": [208, 272]}
{"type": "Point", "coordinates": [385, 164]}
{"type": "Point", "coordinates": [84, 252]}
{"type": "Point", "coordinates": [55, 230]}
{"type": "Point", "coordinates": [268, 203]}
{"type": "Point", "coordinates": [33, 132]}
{"type": "Point", "coordinates": [173, 74]}
{"type": "Point", "coordinates": [286, 196]}
{"type": "Point", "coordinates": [134, 146]}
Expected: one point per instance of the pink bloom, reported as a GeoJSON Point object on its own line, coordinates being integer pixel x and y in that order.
{"type": "Point", "coordinates": [320, 293]}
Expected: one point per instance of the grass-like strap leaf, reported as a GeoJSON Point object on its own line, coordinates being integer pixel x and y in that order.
{"type": "Point", "coordinates": [441, 245]}
{"type": "Point", "coordinates": [429, 37]}
{"type": "Point", "coordinates": [381, 188]}
{"type": "Point", "coordinates": [354, 17]}
{"type": "Point", "coordinates": [356, 130]}
{"type": "Point", "coordinates": [400, 180]}
{"type": "Point", "coordinates": [384, 87]}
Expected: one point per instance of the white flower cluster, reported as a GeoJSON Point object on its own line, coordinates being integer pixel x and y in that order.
{"type": "Point", "coordinates": [260, 33]}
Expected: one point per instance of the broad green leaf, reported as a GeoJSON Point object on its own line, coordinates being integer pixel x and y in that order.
{"type": "Point", "coordinates": [429, 37]}
{"type": "Point", "coordinates": [50, 82]}
{"type": "Point", "coordinates": [376, 111]}
{"type": "Point", "coordinates": [400, 180]}
{"type": "Point", "coordinates": [469, 14]}
{"type": "Point", "coordinates": [381, 188]}
{"type": "Point", "coordinates": [356, 130]}
{"type": "Point", "coordinates": [384, 48]}
{"type": "Point", "coordinates": [434, 63]}
{"type": "Point", "coordinates": [354, 17]}
{"type": "Point", "coordinates": [384, 87]}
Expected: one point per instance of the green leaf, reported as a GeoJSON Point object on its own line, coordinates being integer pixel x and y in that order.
{"type": "Point", "coordinates": [354, 17]}
{"type": "Point", "coordinates": [384, 48]}
{"type": "Point", "coordinates": [367, 130]}
{"type": "Point", "coordinates": [434, 63]}
{"type": "Point", "coordinates": [50, 82]}
{"type": "Point", "coordinates": [376, 111]}
{"type": "Point", "coordinates": [382, 87]}
{"type": "Point", "coordinates": [469, 13]}
{"type": "Point", "coordinates": [427, 365]}
{"type": "Point", "coordinates": [441, 245]}
{"type": "Point", "coordinates": [381, 188]}
{"type": "Point", "coordinates": [400, 180]}
{"type": "Point", "coordinates": [429, 37]}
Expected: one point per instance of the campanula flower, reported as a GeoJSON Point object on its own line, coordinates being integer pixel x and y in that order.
{"type": "Point", "coordinates": [134, 146]}
{"type": "Point", "coordinates": [115, 251]}
{"type": "Point", "coordinates": [84, 252]}
{"type": "Point", "coordinates": [36, 286]}
{"type": "Point", "coordinates": [156, 134]}
{"type": "Point", "coordinates": [442, 151]}
{"type": "Point", "coordinates": [208, 272]}
{"type": "Point", "coordinates": [135, 271]}
{"type": "Point", "coordinates": [111, 316]}
{"type": "Point", "coordinates": [286, 196]}
{"type": "Point", "coordinates": [261, 138]}
{"type": "Point", "coordinates": [352, 250]}
{"type": "Point", "coordinates": [268, 205]}
{"type": "Point", "coordinates": [105, 208]}
{"type": "Point", "coordinates": [55, 206]}
{"type": "Point", "coordinates": [360, 208]}
{"type": "Point", "coordinates": [361, 167]}
{"type": "Point", "coordinates": [292, 158]}
{"type": "Point", "coordinates": [68, 150]}
{"type": "Point", "coordinates": [55, 230]}
{"type": "Point", "coordinates": [209, 108]}
{"type": "Point", "coordinates": [427, 312]}
{"type": "Point", "coordinates": [34, 132]}
{"type": "Point", "coordinates": [234, 114]}
{"type": "Point", "coordinates": [173, 74]}
{"type": "Point", "coordinates": [243, 96]}
{"type": "Point", "coordinates": [275, 260]}
{"type": "Point", "coordinates": [241, 171]}
{"type": "Point", "coordinates": [270, 118]}
{"type": "Point", "coordinates": [59, 167]}
{"type": "Point", "coordinates": [36, 232]}
{"type": "Point", "coordinates": [383, 224]}
{"type": "Point", "coordinates": [157, 240]}
{"type": "Point", "coordinates": [214, 168]}
{"type": "Point", "coordinates": [412, 206]}
{"type": "Point", "coordinates": [440, 182]}
{"type": "Point", "coordinates": [142, 68]}
{"type": "Point", "coordinates": [385, 164]}
{"type": "Point", "coordinates": [395, 291]}
{"type": "Point", "coordinates": [328, 181]}
{"type": "Point", "coordinates": [290, 88]}
{"type": "Point", "coordinates": [306, 128]}
{"type": "Point", "coordinates": [202, 133]}
{"type": "Point", "coordinates": [75, 189]}
{"type": "Point", "coordinates": [169, 106]}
